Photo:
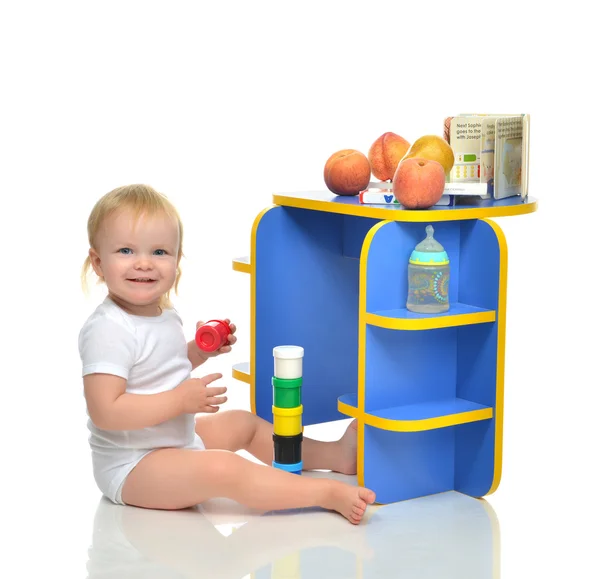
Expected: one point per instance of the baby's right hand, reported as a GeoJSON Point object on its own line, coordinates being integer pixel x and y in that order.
{"type": "Point", "coordinates": [197, 397]}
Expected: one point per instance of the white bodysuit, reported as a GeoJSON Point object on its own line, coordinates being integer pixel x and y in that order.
{"type": "Point", "coordinates": [151, 354]}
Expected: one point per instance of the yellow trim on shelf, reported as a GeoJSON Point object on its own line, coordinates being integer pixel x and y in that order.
{"type": "Point", "coordinates": [362, 348]}
{"type": "Point", "coordinates": [253, 308]}
{"type": "Point", "coordinates": [501, 337]}
{"type": "Point", "coordinates": [242, 266]}
{"type": "Point", "coordinates": [429, 423]}
{"type": "Point", "coordinates": [406, 215]}
{"type": "Point", "coordinates": [439, 321]}
{"type": "Point", "coordinates": [240, 374]}
{"type": "Point", "coordinates": [348, 410]}
{"type": "Point", "coordinates": [416, 425]}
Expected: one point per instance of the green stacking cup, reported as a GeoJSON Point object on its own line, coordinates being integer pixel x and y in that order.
{"type": "Point", "coordinates": [287, 393]}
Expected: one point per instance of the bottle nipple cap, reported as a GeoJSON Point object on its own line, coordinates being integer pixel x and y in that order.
{"type": "Point", "coordinates": [429, 251]}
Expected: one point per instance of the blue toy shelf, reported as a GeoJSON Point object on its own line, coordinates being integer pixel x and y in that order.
{"type": "Point", "coordinates": [330, 275]}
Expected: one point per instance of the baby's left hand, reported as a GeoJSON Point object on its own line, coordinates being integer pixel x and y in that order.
{"type": "Point", "coordinates": [231, 339]}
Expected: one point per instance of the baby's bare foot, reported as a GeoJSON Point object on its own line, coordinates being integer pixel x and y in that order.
{"type": "Point", "coordinates": [347, 454]}
{"type": "Point", "coordinates": [350, 501]}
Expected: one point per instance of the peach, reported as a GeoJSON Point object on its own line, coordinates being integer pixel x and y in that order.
{"type": "Point", "coordinates": [419, 183]}
{"type": "Point", "coordinates": [347, 172]}
{"type": "Point", "coordinates": [385, 154]}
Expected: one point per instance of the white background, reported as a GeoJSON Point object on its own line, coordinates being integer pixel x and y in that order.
{"type": "Point", "coordinates": [219, 105]}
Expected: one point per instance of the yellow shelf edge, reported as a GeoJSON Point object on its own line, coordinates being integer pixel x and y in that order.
{"type": "Point", "coordinates": [362, 349]}
{"type": "Point", "coordinates": [243, 266]}
{"type": "Point", "coordinates": [500, 355]}
{"type": "Point", "coordinates": [429, 423]}
{"type": "Point", "coordinates": [407, 216]}
{"type": "Point", "coordinates": [440, 321]}
{"type": "Point", "coordinates": [240, 374]}
{"type": "Point", "coordinates": [348, 410]}
{"type": "Point", "coordinates": [416, 425]}
{"type": "Point", "coordinates": [252, 265]}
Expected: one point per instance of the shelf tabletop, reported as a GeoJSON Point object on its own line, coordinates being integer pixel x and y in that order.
{"type": "Point", "coordinates": [466, 208]}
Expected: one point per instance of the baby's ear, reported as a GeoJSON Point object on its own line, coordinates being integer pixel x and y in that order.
{"type": "Point", "coordinates": [95, 261]}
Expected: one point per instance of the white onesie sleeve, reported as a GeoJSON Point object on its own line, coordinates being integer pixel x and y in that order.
{"type": "Point", "coordinates": [107, 347]}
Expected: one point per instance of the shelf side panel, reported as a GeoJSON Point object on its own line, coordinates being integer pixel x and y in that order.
{"type": "Point", "coordinates": [400, 466]}
{"type": "Point", "coordinates": [354, 232]}
{"type": "Point", "coordinates": [476, 381]}
{"type": "Point", "coordinates": [476, 363]}
{"type": "Point", "coordinates": [479, 265]}
{"type": "Point", "coordinates": [474, 470]}
{"type": "Point", "coordinates": [480, 368]}
{"type": "Point", "coordinates": [307, 295]}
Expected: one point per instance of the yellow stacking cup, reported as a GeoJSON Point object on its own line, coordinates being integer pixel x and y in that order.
{"type": "Point", "coordinates": [287, 421]}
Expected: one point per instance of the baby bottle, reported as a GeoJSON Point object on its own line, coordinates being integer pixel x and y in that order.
{"type": "Point", "coordinates": [428, 277]}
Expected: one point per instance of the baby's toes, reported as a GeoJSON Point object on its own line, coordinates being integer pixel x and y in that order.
{"type": "Point", "coordinates": [367, 495]}
{"type": "Point", "coordinates": [358, 511]}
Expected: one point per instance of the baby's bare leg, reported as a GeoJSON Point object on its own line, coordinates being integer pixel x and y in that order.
{"type": "Point", "coordinates": [241, 430]}
{"type": "Point", "coordinates": [179, 478]}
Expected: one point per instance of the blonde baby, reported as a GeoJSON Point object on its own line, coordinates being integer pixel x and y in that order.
{"type": "Point", "coordinates": [157, 437]}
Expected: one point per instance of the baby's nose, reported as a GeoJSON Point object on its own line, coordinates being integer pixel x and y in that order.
{"type": "Point", "coordinates": [144, 262]}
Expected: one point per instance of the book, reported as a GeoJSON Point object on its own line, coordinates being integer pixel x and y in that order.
{"type": "Point", "coordinates": [382, 194]}
{"type": "Point", "coordinates": [377, 196]}
{"type": "Point", "coordinates": [491, 149]}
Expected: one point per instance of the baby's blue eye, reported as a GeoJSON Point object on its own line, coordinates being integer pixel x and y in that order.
{"type": "Point", "coordinates": [160, 252]}
{"type": "Point", "coordinates": [125, 251]}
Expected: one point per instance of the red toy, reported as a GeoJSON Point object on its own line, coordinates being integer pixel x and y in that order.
{"type": "Point", "coordinates": [212, 335]}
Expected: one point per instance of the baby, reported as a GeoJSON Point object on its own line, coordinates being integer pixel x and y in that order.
{"type": "Point", "coordinates": [148, 448]}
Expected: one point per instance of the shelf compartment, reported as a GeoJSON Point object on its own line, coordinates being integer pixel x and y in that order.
{"type": "Point", "coordinates": [242, 264]}
{"type": "Point", "coordinates": [418, 417]}
{"type": "Point", "coordinates": [241, 372]}
{"type": "Point", "coordinates": [403, 319]}
{"type": "Point", "coordinates": [475, 253]}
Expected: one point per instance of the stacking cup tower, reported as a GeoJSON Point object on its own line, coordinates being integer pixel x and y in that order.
{"type": "Point", "coordinates": [287, 408]}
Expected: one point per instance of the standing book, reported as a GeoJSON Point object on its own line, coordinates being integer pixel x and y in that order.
{"type": "Point", "coordinates": [491, 149]}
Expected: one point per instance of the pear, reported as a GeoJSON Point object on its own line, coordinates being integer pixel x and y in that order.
{"type": "Point", "coordinates": [433, 148]}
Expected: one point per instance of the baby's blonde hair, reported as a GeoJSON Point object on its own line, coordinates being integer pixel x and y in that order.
{"type": "Point", "coordinates": [139, 199]}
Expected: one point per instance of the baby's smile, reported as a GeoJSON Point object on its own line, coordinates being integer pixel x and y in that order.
{"type": "Point", "coordinates": [142, 280]}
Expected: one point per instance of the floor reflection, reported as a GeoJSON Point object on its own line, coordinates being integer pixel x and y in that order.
{"type": "Point", "coordinates": [444, 536]}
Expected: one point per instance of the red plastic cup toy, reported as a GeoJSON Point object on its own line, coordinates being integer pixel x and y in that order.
{"type": "Point", "coordinates": [212, 335]}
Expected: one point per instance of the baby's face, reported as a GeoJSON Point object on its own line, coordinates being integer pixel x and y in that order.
{"type": "Point", "coordinates": [138, 259]}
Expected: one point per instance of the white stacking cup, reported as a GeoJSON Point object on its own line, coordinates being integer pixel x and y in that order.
{"type": "Point", "coordinates": [288, 361]}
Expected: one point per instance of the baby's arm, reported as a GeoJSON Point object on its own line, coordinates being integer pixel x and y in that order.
{"type": "Point", "coordinates": [112, 408]}
{"type": "Point", "coordinates": [195, 355]}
